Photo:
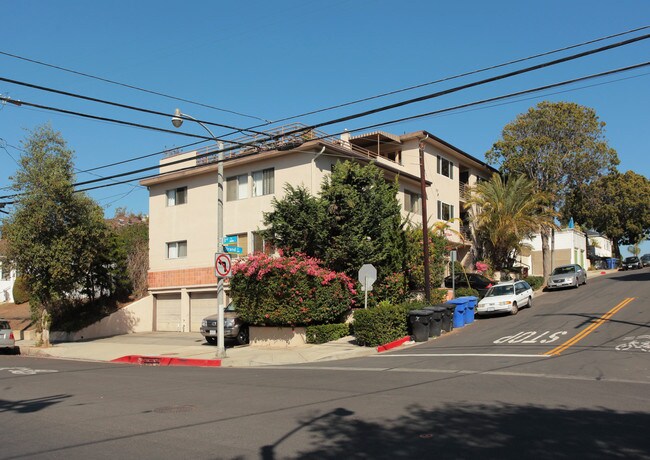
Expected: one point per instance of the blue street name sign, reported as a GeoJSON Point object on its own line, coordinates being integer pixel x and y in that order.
{"type": "Point", "coordinates": [233, 249]}
{"type": "Point", "coordinates": [230, 239]}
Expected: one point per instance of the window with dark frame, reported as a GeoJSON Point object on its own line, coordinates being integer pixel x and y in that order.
{"type": "Point", "coordinates": [445, 211]}
{"type": "Point", "coordinates": [177, 196]}
{"type": "Point", "coordinates": [412, 202]}
{"type": "Point", "coordinates": [445, 167]}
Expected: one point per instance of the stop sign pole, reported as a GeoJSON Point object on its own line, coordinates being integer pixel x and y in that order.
{"type": "Point", "coordinates": [367, 276]}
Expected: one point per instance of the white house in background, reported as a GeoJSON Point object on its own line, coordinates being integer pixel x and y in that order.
{"type": "Point", "coordinates": [599, 246]}
{"type": "Point", "coordinates": [568, 246]}
{"type": "Point", "coordinates": [7, 279]}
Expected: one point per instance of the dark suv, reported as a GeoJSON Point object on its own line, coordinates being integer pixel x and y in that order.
{"type": "Point", "coordinates": [645, 260]}
{"type": "Point", "coordinates": [233, 327]}
{"type": "Point", "coordinates": [630, 263]}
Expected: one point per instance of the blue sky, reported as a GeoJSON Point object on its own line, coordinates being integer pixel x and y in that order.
{"type": "Point", "coordinates": [277, 59]}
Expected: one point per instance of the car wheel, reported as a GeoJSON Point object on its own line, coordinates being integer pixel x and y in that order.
{"type": "Point", "coordinates": [211, 340]}
{"type": "Point", "coordinates": [576, 284]}
{"type": "Point", "coordinates": [242, 337]}
{"type": "Point", "coordinates": [515, 309]}
{"type": "Point", "coordinates": [530, 302]}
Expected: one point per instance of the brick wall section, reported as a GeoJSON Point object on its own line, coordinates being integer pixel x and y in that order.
{"type": "Point", "coordinates": [186, 277]}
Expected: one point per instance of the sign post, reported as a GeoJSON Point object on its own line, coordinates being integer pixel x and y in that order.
{"type": "Point", "coordinates": [367, 276]}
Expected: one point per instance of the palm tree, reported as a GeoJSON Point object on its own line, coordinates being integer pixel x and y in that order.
{"type": "Point", "coordinates": [505, 212]}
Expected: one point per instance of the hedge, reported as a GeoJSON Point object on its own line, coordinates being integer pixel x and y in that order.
{"type": "Point", "coordinates": [20, 291]}
{"type": "Point", "coordinates": [535, 281]}
{"type": "Point", "coordinates": [461, 292]}
{"type": "Point", "coordinates": [327, 332]}
{"type": "Point", "coordinates": [381, 324]}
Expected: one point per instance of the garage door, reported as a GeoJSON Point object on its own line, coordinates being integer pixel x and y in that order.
{"type": "Point", "coordinates": [168, 312]}
{"type": "Point", "coordinates": [202, 304]}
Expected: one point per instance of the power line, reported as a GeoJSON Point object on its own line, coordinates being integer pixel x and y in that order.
{"type": "Point", "coordinates": [117, 104]}
{"type": "Point", "coordinates": [454, 77]}
{"type": "Point", "coordinates": [394, 121]}
{"type": "Point", "coordinates": [106, 80]}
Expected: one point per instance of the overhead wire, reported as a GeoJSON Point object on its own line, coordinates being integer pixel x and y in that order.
{"type": "Point", "coordinates": [106, 80]}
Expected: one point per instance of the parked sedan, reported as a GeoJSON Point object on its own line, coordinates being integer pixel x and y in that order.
{"type": "Point", "coordinates": [506, 297]}
{"type": "Point", "coordinates": [7, 341]}
{"type": "Point", "coordinates": [567, 276]}
{"type": "Point", "coordinates": [631, 262]}
{"type": "Point", "coordinates": [233, 327]}
{"type": "Point", "coordinates": [479, 282]}
{"type": "Point", "coordinates": [645, 260]}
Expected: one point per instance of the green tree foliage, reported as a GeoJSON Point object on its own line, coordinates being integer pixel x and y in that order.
{"type": "Point", "coordinates": [297, 223]}
{"type": "Point", "coordinates": [505, 212]}
{"type": "Point", "coordinates": [356, 220]}
{"type": "Point", "coordinates": [617, 205]}
{"type": "Point", "coordinates": [57, 238]}
{"type": "Point", "coordinates": [130, 257]}
{"type": "Point", "coordinates": [415, 257]}
{"type": "Point", "coordinates": [558, 145]}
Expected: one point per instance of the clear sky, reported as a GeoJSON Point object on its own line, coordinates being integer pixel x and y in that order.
{"type": "Point", "coordinates": [278, 59]}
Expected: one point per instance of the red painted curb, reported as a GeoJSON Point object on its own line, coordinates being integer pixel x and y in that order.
{"type": "Point", "coordinates": [394, 344]}
{"type": "Point", "coordinates": [166, 361]}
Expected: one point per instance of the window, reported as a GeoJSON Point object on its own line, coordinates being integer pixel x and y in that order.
{"type": "Point", "coordinates": [445, 211]}
{"type": "Point", "coordinates": [177, 196]}
{"type": "Point", "coordinates": [412, 202]}
{"type": "Point", "coordinates": [260, 244]}
{"type": "Point", "coordinates": [237, 187]}
{"type": "Point", "coordinates": [242, 242]}
{"type": "Point", "coordinates": [177, 249]}
{"type": "Point", "coordinates": [264, 182]}
{"type": "Point", "coordinates": [445, 167]}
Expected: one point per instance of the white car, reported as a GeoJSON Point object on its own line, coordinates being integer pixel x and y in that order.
{"type": "Point", "coordinates": [506, 297]}
{"type": "Point", "coordinates": [7, 341]}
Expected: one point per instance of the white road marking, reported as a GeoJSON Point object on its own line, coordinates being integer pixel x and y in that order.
{"type": "Point", "coordinates": [495, 355]}
{"type": "Point", "coordinates": [531, 337]}
{"type": "Point", "coordinates": [26, 370]}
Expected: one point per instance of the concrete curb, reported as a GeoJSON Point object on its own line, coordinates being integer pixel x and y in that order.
{"type": "Point", "coordinates": [166, 361]}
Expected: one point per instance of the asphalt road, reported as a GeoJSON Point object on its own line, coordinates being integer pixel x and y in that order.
{"type": "Point", "coordinates": [568, 378]}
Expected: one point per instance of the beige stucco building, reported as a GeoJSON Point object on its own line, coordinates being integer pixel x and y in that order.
{"type": "Point", "coordinates": [183, 202]}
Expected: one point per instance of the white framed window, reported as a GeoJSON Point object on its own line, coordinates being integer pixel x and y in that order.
{"type": "Point", "coordinates": [412, 202]}
{"type": "Point", "coordinates": [445, 211]}
{"type": "Point", "coordinates": [445, 167]}
{"type": "Point", "coordinates": [177, 249]}
{"type": "Point", "coordinates": [264, 182]}
{"type": "Point", "coordinates": [237, 187]}
{"type": "Point", "coordinates": [177, 196]}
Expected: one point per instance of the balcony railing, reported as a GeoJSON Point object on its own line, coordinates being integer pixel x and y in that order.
{"type": "Point", "coordinates": [464, 191]}
{"type": "Point", "coordinates": [284, 138]}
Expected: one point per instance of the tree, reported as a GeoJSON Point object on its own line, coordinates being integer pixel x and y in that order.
{"type": "Point", "coordinates": [507, 212]}
{"type": "Point", "coordinates": [131, 253]}
{"type": "Point", "coordinates": [57, 238]}
{"type": "Point", "coordinates": [297, 223]}
{"type": "Point", "coordinates": [356, 220]}
{"type": "Point", "coordinates": [617, 205]}
{"type": "Point", "coordinates": [559, 146]}
{"type": "Point", "coordinates": [364, 220]}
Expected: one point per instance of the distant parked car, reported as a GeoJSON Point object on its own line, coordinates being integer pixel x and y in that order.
{"type": "Point", "coordinates": [233, 327]}
{"type": "Point", "coordinates": [631, 262]}
{"type": "Point", "coordinates": [645, 260]}
{"type": "Point", "coordinates": [567, 276]}
{"type": "Point", "coordinates": [509, 297]}
{"type": "Point", "coordinates": [7, 341]}
{"type": "Point", "coordinates": [476, 281]}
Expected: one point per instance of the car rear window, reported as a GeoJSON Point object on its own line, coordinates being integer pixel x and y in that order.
{"type": "Point", "coordinates": [563, 270]}
{"type": "Point", "coordinates": [4, 325]}
{"type": "Point", "coordinates": [500, 290]}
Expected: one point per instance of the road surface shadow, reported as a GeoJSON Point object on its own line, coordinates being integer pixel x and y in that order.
{"type": "Point", "coordinates": [471, 431]}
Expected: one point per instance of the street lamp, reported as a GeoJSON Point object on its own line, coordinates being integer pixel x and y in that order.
{"type": "Point", "coordinates": [177, 121]}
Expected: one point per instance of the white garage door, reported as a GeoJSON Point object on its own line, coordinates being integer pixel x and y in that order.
{"type": "Point", "coordinates": [168, 312]}
{"type": "Point", "coordinates": [202, 304]}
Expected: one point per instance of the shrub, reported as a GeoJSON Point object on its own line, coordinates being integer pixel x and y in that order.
{"type": "Point", "coordinates": [461, 292]}
{"type": "Point", "coordinates": [381, 324]}
{"type": "Point", "coordinates": [20, 291]}
{"type": "Point", "coordinates": [535, 281]}
{"type": "Point", "coordinates": [327, 332]}
{"type": "Point", "coordinates": [289, 291]}
{"type": "Point", "coordinates": [439, 295]}
{"type": "Point", "coordinates": [393, 288]}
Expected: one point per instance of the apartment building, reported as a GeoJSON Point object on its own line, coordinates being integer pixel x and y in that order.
{"type": "Point", "coordinates": [183, 202]}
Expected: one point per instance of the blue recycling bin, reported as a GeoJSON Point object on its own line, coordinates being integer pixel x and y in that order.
{"type": "Point", "coordinates": [459, 312]}
{"type": "Point", "coordinates": [470, 308]}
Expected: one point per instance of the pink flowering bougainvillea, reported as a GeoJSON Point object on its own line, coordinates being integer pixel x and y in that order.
{"type": "Point", "coordinates": [289, 291]}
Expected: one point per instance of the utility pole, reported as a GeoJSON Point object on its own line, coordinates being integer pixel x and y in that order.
{"type": "Point", "coordinates": [425, 226]}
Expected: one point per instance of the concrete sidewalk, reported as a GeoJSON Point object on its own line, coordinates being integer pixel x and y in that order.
{"type": "Point", "coordinates": [191, 348]}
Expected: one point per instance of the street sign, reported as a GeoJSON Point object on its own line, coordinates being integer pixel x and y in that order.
{"type": "Point", "coordinates": [230, 239]}
{"type": "Point", "coordinates": [367, 276]}
{"type": "Point", "coordinates": [222, 265]}
{"type": "Point", "coordinates": [233, 249]}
